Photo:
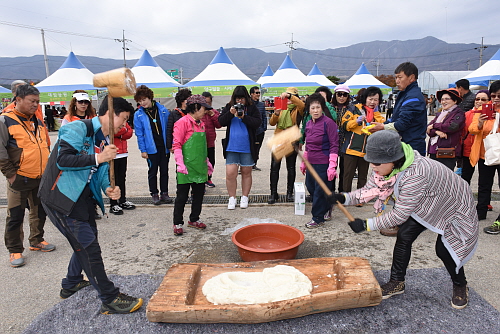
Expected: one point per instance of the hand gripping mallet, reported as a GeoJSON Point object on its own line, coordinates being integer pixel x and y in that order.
{"type": "Point", "coordinates": [119, 82]}
{"type": "Point", "coordinates": [281, 145]}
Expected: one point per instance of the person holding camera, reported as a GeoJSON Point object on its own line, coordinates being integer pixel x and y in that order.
{"type": "Point", "coordinates": [241, 119]}
{"type": "Point", "coordinates": [284, 119]}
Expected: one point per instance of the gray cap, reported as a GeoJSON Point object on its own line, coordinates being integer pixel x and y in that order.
{"type": "Point", "coordinates": [383, 147]}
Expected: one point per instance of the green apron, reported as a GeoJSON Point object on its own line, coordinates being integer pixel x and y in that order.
{"type": "Point", "coordinates": [194, 152]}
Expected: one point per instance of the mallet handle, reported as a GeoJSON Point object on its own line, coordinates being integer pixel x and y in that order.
{"type": "Point", "coordinates": [111, 112]}
{"type": "Point", "coordinates": [322, 184]}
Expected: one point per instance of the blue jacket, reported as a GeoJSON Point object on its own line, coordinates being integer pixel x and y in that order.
{"type": "Point", "coordinates": [143, 131]}
{"type": "Point", "coordinates": [71, 164]}
{"type": "Point", "coordinates": [410, 117]}
{"type": "Point", "coordinates": [263, 114]}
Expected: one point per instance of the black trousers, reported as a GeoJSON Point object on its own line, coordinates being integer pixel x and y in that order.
{"type": "Point", "coordinates": [120, 168]}
{"type": "Point", "coordinates": [448, 162]}
{"type": "Point", "coordinates": [157, 161]}
{"type": "Point", "coordinates": [484, 186]}
{"type": "Point", "coordinates": [198, 191]}
{"type": "Point", "coordinates": [258, 144]}
{"type": "Point", "coordinates": [467, 169]}
{"type": "Point", "coordinates": [407, 234]}
{"type": "Point", "coordinates": [291, 172]}
{"type": "Point", "coordinates": [211, 158]}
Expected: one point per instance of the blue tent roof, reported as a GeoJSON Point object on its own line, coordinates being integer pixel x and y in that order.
{"type": "Point", "coordinates": [362, 70]}
{"type": "Point", "coordinates": [72, 62]}
{"type": "Point", "coordinates": [4, 90]}
{"type": "Point", "coordinates": [287, 63]}
{"type": "Point", "coordinates": [268, 72]}
{"type": "Point", "coordinates": [146, 60]}
{"type": "Point", "coordinates": [221, 57]}
{"type": "Point", "coordinates": [496, 56]}
{"type": "Point", "coordinates": [315, 70]}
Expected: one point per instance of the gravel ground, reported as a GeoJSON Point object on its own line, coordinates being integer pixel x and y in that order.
{"type": "Point", "coordinates": [423, 308]}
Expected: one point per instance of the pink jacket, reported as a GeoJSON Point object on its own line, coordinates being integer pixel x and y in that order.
{"type": "Point", "coordinates": [184, 129]}
{"type": "Point", "coordinates": [211, 123]}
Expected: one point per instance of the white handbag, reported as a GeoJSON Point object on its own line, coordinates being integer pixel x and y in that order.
{"type": "Point", "coordinates": [492, 145]}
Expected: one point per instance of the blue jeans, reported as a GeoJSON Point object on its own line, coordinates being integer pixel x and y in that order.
{"type": "Point", "coordinates": [82, 237]}
{"type": "Point", "coordinates": [320, 201]}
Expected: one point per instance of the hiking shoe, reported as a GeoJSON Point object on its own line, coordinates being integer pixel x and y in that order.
{"type": "Point", "coordinates": [156, 199]}
{"type": "Point", "coordinates": [254, 167]}
{"type": "Point", "coordinates": [314, 224]}
{"type": "Point", "coordinates": [127, 205]}
{"type": "Point", "coordinates": [16, 260]}
{"type": "Point", "coordinates": [460, 297]}
{"type": "Point", "coordinates": [43, 246]}
{"type": "Point", "coordinates": [66, 293]}
{"type": "Point", "coordinates": [458, 171]}
{"type": "Point", "coordinates": [244, 202]}
{"type": "Point", "coordinates": [390, 232]}
{"type": "Point", "coordinates": [493, 228]}
{"type": "Point", "coordinates": [328, 214]}
{"type": "Point", "coordinates": [178, 229]}
{"type": "Point", "coordinates": [490, 208]}
{"type": "Point", "coordinates": [164, 198]}
{"type": "Point", "coordinates": [197, 224]}
{"type": "Point", "coordinates": [210, 184]}
{"type": "Point", "coordinates": [231, 205]}
{"type": "Point", "coordinates": [392, 288]}
{"type": "Point", "coordinates": [116, 210]}
{"type": "Point", "coordinates": [122, 304]}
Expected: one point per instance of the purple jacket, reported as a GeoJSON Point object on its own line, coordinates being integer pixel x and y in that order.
{"type": "Point", "coordinates": [322, 139]}
{"type": "Point", "coordinates": [452, 125]}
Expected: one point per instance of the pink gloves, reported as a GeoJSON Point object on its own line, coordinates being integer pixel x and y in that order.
{"type": "Point", "coordinates": [210, 167]}
{"type": "Point", "coordinates": [303, 167]}
{"type": "Point", "coordinates": [179, 161]}
{"type": "Point", "coordinates": [332, 167]}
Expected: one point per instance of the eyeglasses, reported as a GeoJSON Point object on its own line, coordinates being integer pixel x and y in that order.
{"type": "Point", "coordinates": [483, 99]}
{"type": "Point", "coordinates": [494, 96]}
{"type": "Point", "coordinates": [258, 93]}
{"type": "Point", "coordinates": [445, 99]}
{"type": "Point", "coordinates": [83, 102]}
{"type": "Point", "coordinates": [342, 94]}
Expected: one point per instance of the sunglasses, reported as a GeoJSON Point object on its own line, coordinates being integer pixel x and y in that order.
{"type": "Point", "coordinates": [494, 96]}
{"type": "Point", "coordinates": [83, 102]}
{"type": "Point", "coordinates": [257, 93]}
{"type": "Point", "coordinates": [483, 99]}
{"type": "Point", "coordinates": [342, 94]}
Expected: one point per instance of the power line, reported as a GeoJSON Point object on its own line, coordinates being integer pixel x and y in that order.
{"type": "Point", "coordinates": [53, 30]}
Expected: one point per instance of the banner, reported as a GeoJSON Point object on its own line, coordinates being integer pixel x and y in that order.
{"type": "Point", "coordinates": [217, 90]}
{"type": "Point", "coordinates": [61, 96]}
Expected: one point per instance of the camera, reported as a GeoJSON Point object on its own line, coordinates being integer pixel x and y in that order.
{"type": "Point", "coordinates": [240, 108]}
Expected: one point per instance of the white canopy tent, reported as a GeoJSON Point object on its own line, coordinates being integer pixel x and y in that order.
{"type": "Point", "coordinates": [432, 81]}
{"type": "Point", "coordinates": [268, 73]}
{"type": "Point", "coordinates": [490, 71]}
{"type": "Point", "coordinates": [148, 72]}
{"type": "Point", "coordinates": [364, 79]}
{"type": "Point", "coordinates": [316, 75]}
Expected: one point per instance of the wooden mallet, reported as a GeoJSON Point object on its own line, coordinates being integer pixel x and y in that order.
{"type": "Point", "coordinates": [281, 145]}
{"type": "Point", "coordinates": [119, 82]}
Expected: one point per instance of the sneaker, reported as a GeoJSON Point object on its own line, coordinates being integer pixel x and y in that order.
{"type": "Point", "coordinates": [16, 260]}
{"type": "Point", "coordinates": [43, 246]}
{"type": "Point", "coordinates": [178, 229]}
{"type": "Point", "coordinates": [392, 288]}
{"type": "Point", "coordinates": [66, 293]}
{"type": "Point", "coordinates": [122, 304]}
{"type": "Point", "coordinates": [360, 205]}
{"type": "Point", "coordinates": [244, 202]}
{"type": "Point", "coordinates": [231, 205]}
{"type": "Point", "coordinates": [458, 171]}
{"type": "Point", "coordinates": [254, 167]}
{"type": "Point", "coordinates": [490, 208]}
{"type": "Point", "coordinates": [390, 232]}
{"type": "Point", "coordinates": [328, 214]}
{"type": "Point", "coordinates": [127, 205]}
{"type": "Point", "coordinates": [116, 210]}
{"type": "Point", "coordinates": [460, 297]}
{"type": "Point", "coordinates": [197, 224]}
{"type": "Point", "coordinates": [314, 224]}
{"type": "Point", "coordinates": [210, 184]}
{"type": "Point", "coordinates": [166, 199]}
{"type": "Point", "coordinates": [156, 199]}
{"type": "Point", "coordinates": [493, 228]}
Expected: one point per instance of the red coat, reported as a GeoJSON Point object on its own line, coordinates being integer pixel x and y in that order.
{"type": "Point", "coordinates": [121, 138]}
{"type": "Point", "coordinates": [211, 123]}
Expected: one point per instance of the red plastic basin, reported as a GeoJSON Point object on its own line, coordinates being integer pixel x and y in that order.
{"type": "Point", "coordinates": [267, 241]}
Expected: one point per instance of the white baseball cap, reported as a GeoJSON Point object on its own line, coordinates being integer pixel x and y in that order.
{"type": "Point", "coordinates": [81, 96]}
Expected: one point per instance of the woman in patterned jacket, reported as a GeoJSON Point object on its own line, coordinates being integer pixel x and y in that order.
{"type": "Point", "coordinates": [426, 195]}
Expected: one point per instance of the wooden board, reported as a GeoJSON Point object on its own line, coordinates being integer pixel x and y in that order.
{"type": "Point", "coordinates": [338, 283]}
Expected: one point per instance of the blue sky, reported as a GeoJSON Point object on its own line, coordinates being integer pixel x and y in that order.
{"type": "Point", "coordinates": [198, 25]}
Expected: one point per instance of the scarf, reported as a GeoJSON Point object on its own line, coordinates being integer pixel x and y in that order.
{"type": "Point", "coordinates": [369, 114]}
{"type": "Point", "coordinates": [440, 118]}
{"type": "Point", "coordinates": [285, 119]}
{"type": "Point", "coordinates": [385, 184]}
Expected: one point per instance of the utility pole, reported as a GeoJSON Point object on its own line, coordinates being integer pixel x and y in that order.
{"type": "Point", "coordinates": [468, 64]}
{"type": "Point", "coordinates": [481, 48]}
{"type": "Point", "coordinates": [291, 46]}
{"type": "Point", "coordinates": [45, 59]}
{"type": "Point", "coordinates": [124, 41]}
{"type": "Point", "coordinates": [377, 64]}
{"type": "Point", "coordinates": [182, 79]}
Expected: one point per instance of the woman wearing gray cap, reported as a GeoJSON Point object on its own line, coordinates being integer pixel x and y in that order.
{"type": "Point", "coordinates": [426, 195]}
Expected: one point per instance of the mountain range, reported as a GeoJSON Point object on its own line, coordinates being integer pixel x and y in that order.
{"type": "Point", "coordinates": [429, 54]}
